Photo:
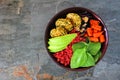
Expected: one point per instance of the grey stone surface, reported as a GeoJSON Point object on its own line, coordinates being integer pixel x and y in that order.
{"type": "Point", "coordinates": [22, 27]}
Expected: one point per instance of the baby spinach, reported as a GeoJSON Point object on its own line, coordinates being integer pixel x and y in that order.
{"type": "Point", "coordinates": [78, 45]}
{"type": "Point", "coordinates": [97, 56]}
{"type": "Point", "coordinates": [93, 47]}
{"type": "Point", "coordinates": [85, 54]}
{"type": "Point", "coordinates": [79, 58]}
{"type": "Point", "coordinates": [90, 61]}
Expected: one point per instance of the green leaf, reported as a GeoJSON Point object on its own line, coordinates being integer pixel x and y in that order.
{"type": "Point", "coordinates": [59, 43]}
{"type": "Point", "coordinates": [79, 58]}
{"type": "Point", "coordinates": [90, 61]}
{"type": "Point", "coordinates": [97, 56]}
{"type": "Point", "coordinates": [79, 45]}
{"type": "Point", "coordinates": [93, 47]}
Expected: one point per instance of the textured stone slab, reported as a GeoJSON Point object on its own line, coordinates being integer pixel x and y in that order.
{"type": "Point", "coordinates": [22, 27]}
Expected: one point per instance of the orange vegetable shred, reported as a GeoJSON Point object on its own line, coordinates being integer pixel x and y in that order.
{"type": "Point", "coordinates": [102, 38]}
{"type": "Point", "coordinates": [94, 39]}
{"type": "Point", "coordinates": [94, 32]}
{"type": "Point", "coordinates": [94, 22]}
{"type": "Point", "coordinates": [97, 27]}
{"type": "Point", "coordinates": [89, 31]}
{"type": "Point", "coordinates": [98, 34]}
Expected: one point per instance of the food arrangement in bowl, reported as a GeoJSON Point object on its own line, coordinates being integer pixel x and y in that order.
{"type": "Point", "coordinates": [76, 38]}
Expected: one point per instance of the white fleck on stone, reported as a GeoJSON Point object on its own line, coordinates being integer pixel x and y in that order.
{"type": "Point", "coordinates": [7, 57]}
{"type": "Point", "coordinates": [7, 29]}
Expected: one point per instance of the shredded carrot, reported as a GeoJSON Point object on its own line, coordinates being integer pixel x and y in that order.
{"type": "Point", "coordinates": [102, 38]}
{"type": "Point", "coordinates": [89, 31]}
{"type": "Point", "coordinates": [94, 22]}
{"type": "Point", "coordinates": [94, 39]}
{"type": "Point", "coordinates": [95, 31]}
{"type": "Point", "coordinates": [97, 27]}
{"type": "Point", "coordinates": [98, 34]}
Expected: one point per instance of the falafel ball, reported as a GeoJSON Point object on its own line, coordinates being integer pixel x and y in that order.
{"type": "Point", "coordinates": [76, 20]}
{"type": "Point", "coordinates": [66, 23]}
{"type": "Point", "coordinates": [59, 31]}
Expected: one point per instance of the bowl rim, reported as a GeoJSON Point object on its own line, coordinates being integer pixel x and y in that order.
{"type": "Point", "coordinates": [97, 17]}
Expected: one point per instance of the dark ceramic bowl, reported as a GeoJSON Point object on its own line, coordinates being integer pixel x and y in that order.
{"type": "Point", "coordinates": [80, 11]}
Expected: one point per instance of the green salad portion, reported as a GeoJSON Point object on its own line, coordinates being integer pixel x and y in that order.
{"type": "Point", "coordinates": [85, 54]}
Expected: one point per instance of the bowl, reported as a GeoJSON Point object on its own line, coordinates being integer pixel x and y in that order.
{"type": "Point", "coordinates": [79, 11]}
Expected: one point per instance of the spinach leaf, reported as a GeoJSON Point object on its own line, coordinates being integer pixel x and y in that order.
{"type": "Point", "coordinates": [79, 58]}
{"type": "Point", "coordinates": [79, 45]}
{"type": "Point", "coordinates": [93, 47]}
{"type": "Point", "coordinates": [97, 56]}
{"type": "Point", "coordinates": [90, 61]}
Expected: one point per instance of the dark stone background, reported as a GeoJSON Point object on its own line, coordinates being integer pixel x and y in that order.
{"type": "Point", "coordinates": [22, 27]}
